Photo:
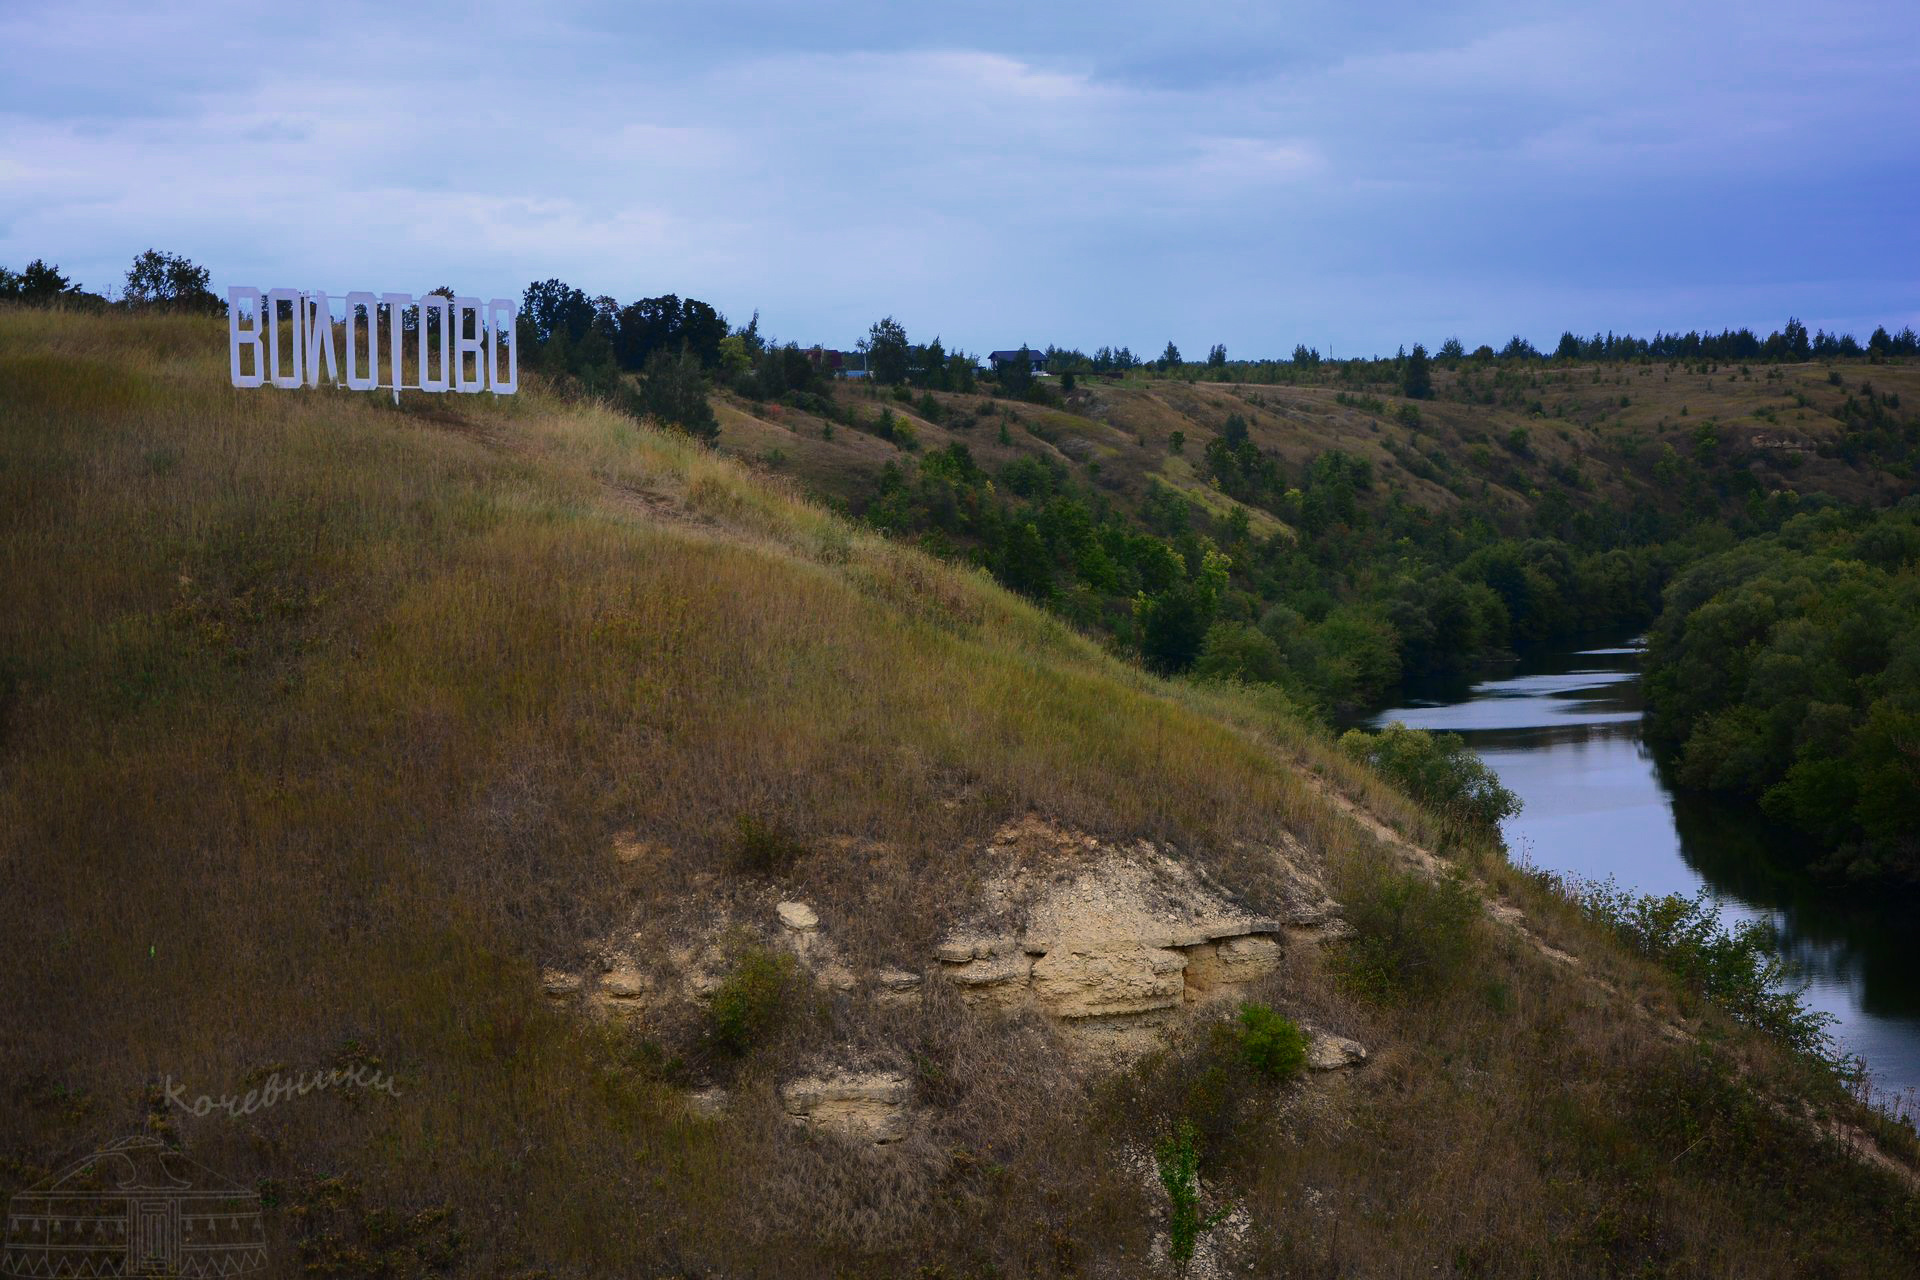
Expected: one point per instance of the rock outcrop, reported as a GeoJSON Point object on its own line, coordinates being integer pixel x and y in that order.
{"type": "Point", "coordinates": [1112, 938]}
{"type": "Point", "coordinates": [864, 1106]}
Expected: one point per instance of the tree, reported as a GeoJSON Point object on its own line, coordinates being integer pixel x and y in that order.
{"type": "Point", "coordinates": [1416, 379]}
{"type": "Point", "coordinates": [887, 351]}
{"type": "Point", "coordinates": [1170, 358]}
{"type": "Point", "coordinates": [552, 307]}
{"type": "Point", "coordinates": [667, 323]}
{"type": "Point", "coordinates": [1016, 375]}
{"type": "Point", "coordinates": [1217, 356]}
{"type": "Point", "coordinates": [37, 286]}
{"type": "Point", "coordinates": [673, 390]}
{"type": "Point", "coordinates": [1025, 563]}
{"type": "Point", "coordinates": [168, 280]}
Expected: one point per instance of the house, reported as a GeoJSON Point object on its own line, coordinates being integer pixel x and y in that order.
{"type": "Point", "coordinates": [839, 364]}
{"type": "Point", "coordinates": [135, 1208]}
{"type": "Point", "coordinates": [1036, 359]}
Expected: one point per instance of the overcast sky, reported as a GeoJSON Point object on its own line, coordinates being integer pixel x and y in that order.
{"type": "Point", "coordinates": [1080, 174]}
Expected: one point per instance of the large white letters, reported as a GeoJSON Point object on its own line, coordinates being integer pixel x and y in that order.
{"type": "Point", "coordinates": [500, 325]}
{"type": "Point", "coordinates": [253, 338]}
{"type": "Point", "coordinates": [397, 304]}
{"type": "Point", "coordinates": [463, 346]}
{"type": "Point", "coordinates": [467, 333]}
{"type": "Point", "coordinates": [362, 305]}
{"type": "Point", "coordinates": [442, 324]}
{"type": "Point", "coordinates": [319, 318]}
{"type": "Point", "coordinates": [299, 308]}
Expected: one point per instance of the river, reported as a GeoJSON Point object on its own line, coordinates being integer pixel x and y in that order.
{"type": "Point", "coordinates": [1562, 729]}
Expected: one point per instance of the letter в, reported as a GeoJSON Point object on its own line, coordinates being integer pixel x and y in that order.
{"type": "Point", "coordinates": [236, 338]}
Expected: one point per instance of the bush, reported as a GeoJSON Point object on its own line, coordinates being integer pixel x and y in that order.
{"type": "Point", "coordinates": [1177, 1159]}
{"type": "Point", "coordinates": [1739, 971]}
{"type": "Point", "coordinates": [1271, 1044]}
{"type": "Point", "coordinates": [763, 848]}
{"type": "Point", "coordinates": [1412, 934]}
{"type": "Point", "coordinates": [1438, 771]}
{"type": "Point", "coordinates": [752, 1002]}
{"type": "Point", "coordinates": [1435, 768]}
{"type": "Point", "coordinates": [673, 391]}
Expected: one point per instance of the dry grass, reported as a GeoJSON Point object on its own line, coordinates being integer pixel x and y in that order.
{"type": "Point", "coordinates": [317, 717]}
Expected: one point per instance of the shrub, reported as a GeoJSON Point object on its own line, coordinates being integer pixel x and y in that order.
{"type": "Point", "coordinates": [1437, 770]}
{"type": "Point", "coordinates": [1412, 933]}
{"type": "Point", "coordinates": [752, 1001]}
{"type": "Point", "coordinates": [1177, 1158]}
{"type": "Point", "coordinates": [763, 848]}
{"type": "Point", "coordinates": [1271, 1044]}
{"type": "Point", "coordinates": [1739, 971]}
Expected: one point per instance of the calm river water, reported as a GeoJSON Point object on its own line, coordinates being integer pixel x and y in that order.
{"type": "Point", "coordinates": [1563, 731]}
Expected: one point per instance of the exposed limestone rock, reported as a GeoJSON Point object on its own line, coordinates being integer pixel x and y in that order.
{"type": "Point", "coordinates": [1096, 935]}
{"type": "Point", "coordinates": [866, 1106]}
{"type": "Point", "coordinates": [797, 917]}
{"type": "Point", "coordinates": [896, 986]}
{"type": "Point", "coordinates": [559, 984]}
{"type": "Point", "coordinates": [1330, 1053]}
{"type": "Point", "coordinates": [1095, 978]}
{"type": "Point", "coordinates": [708, 1102]}
{"type": "Point", "coordinates": [993, 979]}
{"type": "Point", "coordinates": [1214, 968]}
{"type": "Point", "coordinates": [625, 983]}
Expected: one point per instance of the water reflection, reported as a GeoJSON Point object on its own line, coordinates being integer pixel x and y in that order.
{"type": "Point", "coordinates": [1563, 731]}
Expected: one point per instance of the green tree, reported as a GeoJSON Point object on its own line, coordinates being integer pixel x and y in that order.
{"type": "Point", "coordinates": [673, 391]}
{"type": "Point", "coordinates": [170, 281]}
{"type": "Point", "coordinates": [1170, 358]}
{"type": "Point", "coordinates": [1016, 375]}
{"type": "Point", "coordinates": [1416, 378]}
{"type": "Point", "coordinates": [37, 286]}
{"type": "Point", "coordinates": [887, 351]}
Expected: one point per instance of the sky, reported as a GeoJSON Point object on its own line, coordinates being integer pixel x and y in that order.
{"type": "Point", "coordinates": [1352, 177]}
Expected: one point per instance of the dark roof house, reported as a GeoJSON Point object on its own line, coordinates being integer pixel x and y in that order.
{"type": "Point", "coordinates": [1036, 358]}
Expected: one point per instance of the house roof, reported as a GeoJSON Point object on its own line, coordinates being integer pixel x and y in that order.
{"type": "Point", "coordinates": [1033, 353]}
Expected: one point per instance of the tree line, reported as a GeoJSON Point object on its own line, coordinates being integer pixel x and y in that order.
{"type": "Point", "coordinates": [1787, 669]}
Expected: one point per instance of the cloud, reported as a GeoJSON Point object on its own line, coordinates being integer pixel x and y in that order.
{"type": "Point", "coordinates": [1106, 174]}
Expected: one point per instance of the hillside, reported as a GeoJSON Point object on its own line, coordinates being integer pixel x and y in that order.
{"type": "Point", "coordinates": [1357, 538]}
{"type": "Point", "coordinates": [730, 890]}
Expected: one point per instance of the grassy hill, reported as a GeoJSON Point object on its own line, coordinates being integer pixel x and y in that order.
{"type": "Point", "coordinates": [1524, 501]}
{"type": "Point", "coordinates": [331, 732]}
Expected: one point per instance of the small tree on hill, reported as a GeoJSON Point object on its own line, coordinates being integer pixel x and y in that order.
{"type": "Point", "coordinates": [170, 281]}
{"type": "Point", "coordinates": [37, 286]}
{"type": "Point", "coordinates": [1416, 378]}
{"type": "Point", "coordinates": [887, 351]}
{"type": "Point", "coordinates": [673, 390]}
{"type": "Point", "coordinates": [1170, 358]}
{"type": "Point", "coordinates": [1016, 375]}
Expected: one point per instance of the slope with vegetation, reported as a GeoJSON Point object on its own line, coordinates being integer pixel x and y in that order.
{"type": "Point", "coordinates": [327, 727]}
{"type": "Point", "coordinates": [1788, 669]}
{"type": "Point", "coordinates": [1328, 536]}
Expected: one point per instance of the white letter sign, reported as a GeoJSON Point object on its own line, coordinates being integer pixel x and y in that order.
{"type": "Point", "coordinates": [458, 344]}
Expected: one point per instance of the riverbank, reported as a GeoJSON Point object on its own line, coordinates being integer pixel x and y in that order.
{"type": "Point", "coordinates": [1562, 728]}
